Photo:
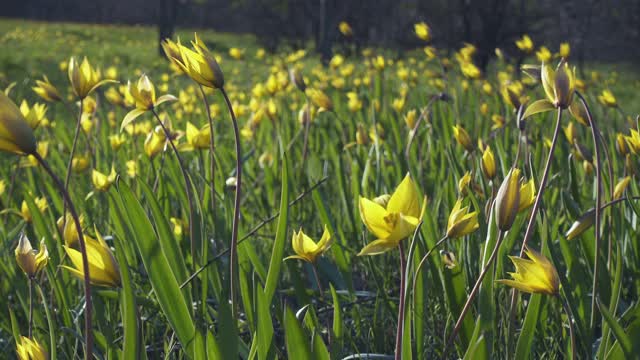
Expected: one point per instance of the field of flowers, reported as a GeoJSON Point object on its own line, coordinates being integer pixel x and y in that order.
{"type": "Point", "coordinates": [229, 202]}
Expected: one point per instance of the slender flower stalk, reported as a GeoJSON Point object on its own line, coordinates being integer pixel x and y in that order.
{"type": "Point", "coordinates": [536, 205]}
{"type": "Point", "coordinates": [594, 134]}
{"type": "Point", "coordinates": [424, 260]}
{"type": "Point", "coordinates": [187, 182]}
{"type": "Point", "coordinates": [30, 306]}
{"type": "Point", "coordinates": [83, 250]}
{"type": "Point", "coordinates": [572, 334]}
{"type": "Point", "coordinates": [233, 249]}
{"type": "Point", "coordinates": [400, 330]}
{"type": "Point", "coordinates": [212, 157]}
{"type": "Point", "coordinates": [473, 294]}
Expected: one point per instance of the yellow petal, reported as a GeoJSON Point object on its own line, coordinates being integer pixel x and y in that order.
{"type": "Point", "coordinates": [405, 199]}
{"type": "Point", "coordinates": [377, 247]}
{"type": "Point", "coordinates": [373, 215]}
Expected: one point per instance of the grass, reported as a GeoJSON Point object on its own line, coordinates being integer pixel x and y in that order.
{"type": "Point", "coordinates": [360, 148]}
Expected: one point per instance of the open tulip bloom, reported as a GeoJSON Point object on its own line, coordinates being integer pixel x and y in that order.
{"type": "Point", "coordinates": [534, 275]}
{"type": "Point", "coordinates": [308, 250]}
{"type": "Point", "coordinates": [393, 222]}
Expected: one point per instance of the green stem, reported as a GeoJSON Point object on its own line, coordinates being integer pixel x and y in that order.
{"type": "Point", "coordinates": [212, 165]}
{"type": "Point", "coordinates": [233, 248]}
{"type": "Point", "coordinates": [30, 306]}
{"type": "Point", "coordinates": [400, 329]}
{"type": "Point", "coordinates": [572, 334]}
{"type": "Point", "coordinates": [83, 251]}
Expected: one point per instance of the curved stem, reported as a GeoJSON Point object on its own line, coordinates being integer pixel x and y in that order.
{"type": "Point", "coordinates": [233, 249]}
{"type": "Point", "coordinates": [76, 135]}
{"type": "Point", "coordinates": [212, 165]}
{"type": "Point", "coordinates": [187, 183]}
{"type": "Point", "coordinates": [473, 294]}
{"type": "Point", "coordinates": [424, 260]}
{"type": "Point", "coordinates": [83, 250]}
{"type": "Point", "coordinates": [400, 330]}
{"type": "Point", "coordinates": [412, 133]}
{"type": "Point", "coordinates": [536, 205]}
{"type": "Point", "coordinates": [572, 334]}
{"type": "Point", "coordinates": [594, 132]}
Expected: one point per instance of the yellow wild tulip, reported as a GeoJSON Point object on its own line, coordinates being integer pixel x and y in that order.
{"type": "Point", "coordinates": [543, 54]}
{"type": "Point", "coordinates": [461, 222]}
{"type": "Point", "coordinates": [559, 86]}
{"type": "Point", "coordinates": [606, 98]}
{"type": "Point", "coordinates": [25, 212]}
{"type": "Point", "coordinates": [84, 78]}
{"type": "Point", "coordinates": [565, 50]}
{"type": "Point", "coordinates": [525, 44]}
{"type": "Point", "coordinates": [308, 250]}
{"type": "Point", "coordinates": [132, 168]}
{"type": "Point", "coordinates": [103, 267]}
{"type": "Point", "coordinates": [144, 95]}
{"type": "Point", "coordinates": [200, 65]}
{"type": "Point", "coordinates": [422, 31]}
{"type": "Point", "coordinates": [30, 349]}
{"type": "Point", "coordinates": [464, 182]}
{"type": "Point", "coordinates": [508, 200]}
{"type": "Point", "coordinates": [16, 136]}
{"type": "Point", "coordinates": [535, 275]}
{"type": "Point", "coordinates": [67, 228]}
{"type": "Point", "coordinates": [621, 186]}
{"type": "Point", "coordinates": [345, 29]}
{"type": "Point", "coordinates": [527, 195]}
{"type": "Point", "coordinates": [102, 182]}
{"type": "Point", "coordinates": [46, 90]}
{"type": "Point", "coordinates": [393, 220]}
{"type": "Point", "coordinates": [463, 138]}
{"type": "Point", "coordinates": [236, 53]}
{"type": "Point", "coordinates": [198, 139]}
{"type": "Point", "coordinates": [155, 142]}
{"type": "Point", "coordinates": [319, 99]}
{"type": "Point", "coordinates": [30, 260]}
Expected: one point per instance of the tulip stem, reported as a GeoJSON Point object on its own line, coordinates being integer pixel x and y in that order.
{"type": "Point", "coordinates": [594, 134]}
{"type": "Point", "coordinates": [474, 292]}
{"type": "Point", "coordinates": [233, 248]}
{"type": "Point", "coordinates": [83, 250]}
{"type": "Point", "coordinates": [30, 306]}
{"type": "Point", "coordinates": [424, 260]}
{"type": "Point", "coordinates": [572, 334]}
{"type": "Point", "coordinates": [67, 177]}
{"type": "Point", "coordinates": [307, 127]}
{"type": "Point", "coordinates": [536, 205]}
{"type": "Point", "coordinates": [400, 330]}
{"type": "Point", "coordinates": [212, 165]}
{"type": "Point", "coordinates": [187, 184]}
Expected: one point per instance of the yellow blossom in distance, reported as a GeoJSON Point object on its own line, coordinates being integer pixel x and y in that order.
{"type": "Point", "coordinates": [30, 349]}
{"type": "Point", "coordinates": [461, 221]}
{"type": "Point", "coordinates": [30, 260]}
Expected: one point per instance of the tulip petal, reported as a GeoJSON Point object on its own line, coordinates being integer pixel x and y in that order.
{"type": "Point", "coordinates": [405, 199]}
{"type": "Point", "coordinates": [373, 215]}
{"type": "Point", "coordinates": [165, 98]}
{"type": "Point", "coordinates": [130, 117]}
{"type": "Point", "coordinates": [537, 107]}
{"type": "Point", "coordinates": [377, 247]}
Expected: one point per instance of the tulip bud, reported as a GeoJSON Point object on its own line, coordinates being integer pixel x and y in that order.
{"type": "Point", "coordinates": [488, 164]}
{"type": "Point", "coordinates": [581, 225]}
{"type": "Point", "coordinates": [508, 200]}
{"type": "Point", "coordinates": [463, 138]}
{"type": "Point", "coordinates": [16, 135]}
{"type": "Point", "coordinates": [30, 261]}
{"type": "Point", "coordinates": [297, 79]}
{"type": "Point", "coordinates": [621, 145]}
{"type": "Point", "coordinates": [46, 90]}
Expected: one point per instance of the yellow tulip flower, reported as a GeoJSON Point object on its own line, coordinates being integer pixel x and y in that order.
{"type": "Point", "coordinates": [535, 275]}
{"type": "Point", "coordinates": [319, 99]}
{"type": "Point", "coordinates": [144, 95]}
{"type": "Point", "coordinates": [102, 182]}
{"type": "Point", "coordinates": [197, 138]}
{"type": "Point", "coordinates": [565, 50]}
{"type": "Point", "coordinates": [200, 65]}
{"type": "Point", "coordinates": [46, 90]}
{"type": "Point", "coordinates": [461, 221]}
{"type": "Point", "coordinates": [30, 349]}
{"type": "Point", "coordinates": [41, 204]}
{"type": "Point", "coordinates": [508, 200]}
{"type": "Point", "coordinates": [84, 78]}
{"type": "Point", "coordinates": [103, 267]}
{"type": "Point", "coordinates": [236, 53]}
{"type": "Point", "coordinates": [463, 138]}
{"type": "Point", "coordinates": [345, 29]}
{"type": "Point", "coordinates": [621, 186]}
{"type": "Point", "coordinates": [525, 44]}
{"type": "Point", "coordinates": [527, 195]}
{"type": "Point", "coordinates": [392, 221]}
{"type": "Point", "coordinates": [67, 228]}
{"type": "Point", "coordinates": [488, 164]}
{"type": "Point", "coordinates": [559, 85]}
{"type": "Point", "coordinates": [606, 98]}
{"type": "Point", "coordinates": [422, 31]}
{"type": "Point", "coordinates": [16, 135]}
{"type": "Point", "coordinates": [155, 143]}
{"type": "Point", "coordinates": [30, 260]}
{"type": "Point", "coordinates": [581, 224]}
{"type": "Point", "coordinates": [308, 250]}
{"type": "Point", "coordinates": [543, 54]}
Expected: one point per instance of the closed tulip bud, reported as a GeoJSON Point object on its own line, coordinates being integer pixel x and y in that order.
{"type": "Point", "coordinates": [581, 225]}
{"type": "Point", "coordinates": [464, 182]}
{"type": "Point", "coordinates": [84, 78]}
{"type": "Point", "coordinates": [508, 200]}
{"type": "Point", "coordinates": [461, 221]}
{"type": "Point", "coordinates": [297, 79]}
{"type": "Point", "coordinates": [463, 138]}
{"type": "Point", "coordinates": [559, 85]}
{"type": "Point", "coordinates": [621, 145]}
{"type": "Point", "coordinates": [319, 99]}
{"type": "Point", "coordinates": [16, 135]}
{"type": "Point", "coordinates": [30, 260]}
{"type": "Point", "coordinates": [488, 164]}
{"type": "Point", "coordinates": [621, 186]}
{"type": "Point", "coordinates": [46, 90]}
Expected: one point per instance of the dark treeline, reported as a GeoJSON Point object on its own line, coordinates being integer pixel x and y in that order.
{"type": "Point", "coordinates": [597, 30]}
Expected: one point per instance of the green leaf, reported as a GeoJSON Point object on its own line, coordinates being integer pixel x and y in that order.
{"type": "Point", "coordinates": [281, 233]}
{"type": "Point", "coordinates": [338, 326]}
{"type": "Point", "coordinates": [265, 325]}
{"type": "Point", "coordinates": [523, 347]}
{"type": "Point", "coordinates": [296, 343]}
{"type": "Point", "coordinates": [163, 282]}
{"type": "Point", "coordinates": [623, 339]}
{"type": "Point", "coordinates": [537, 107]}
